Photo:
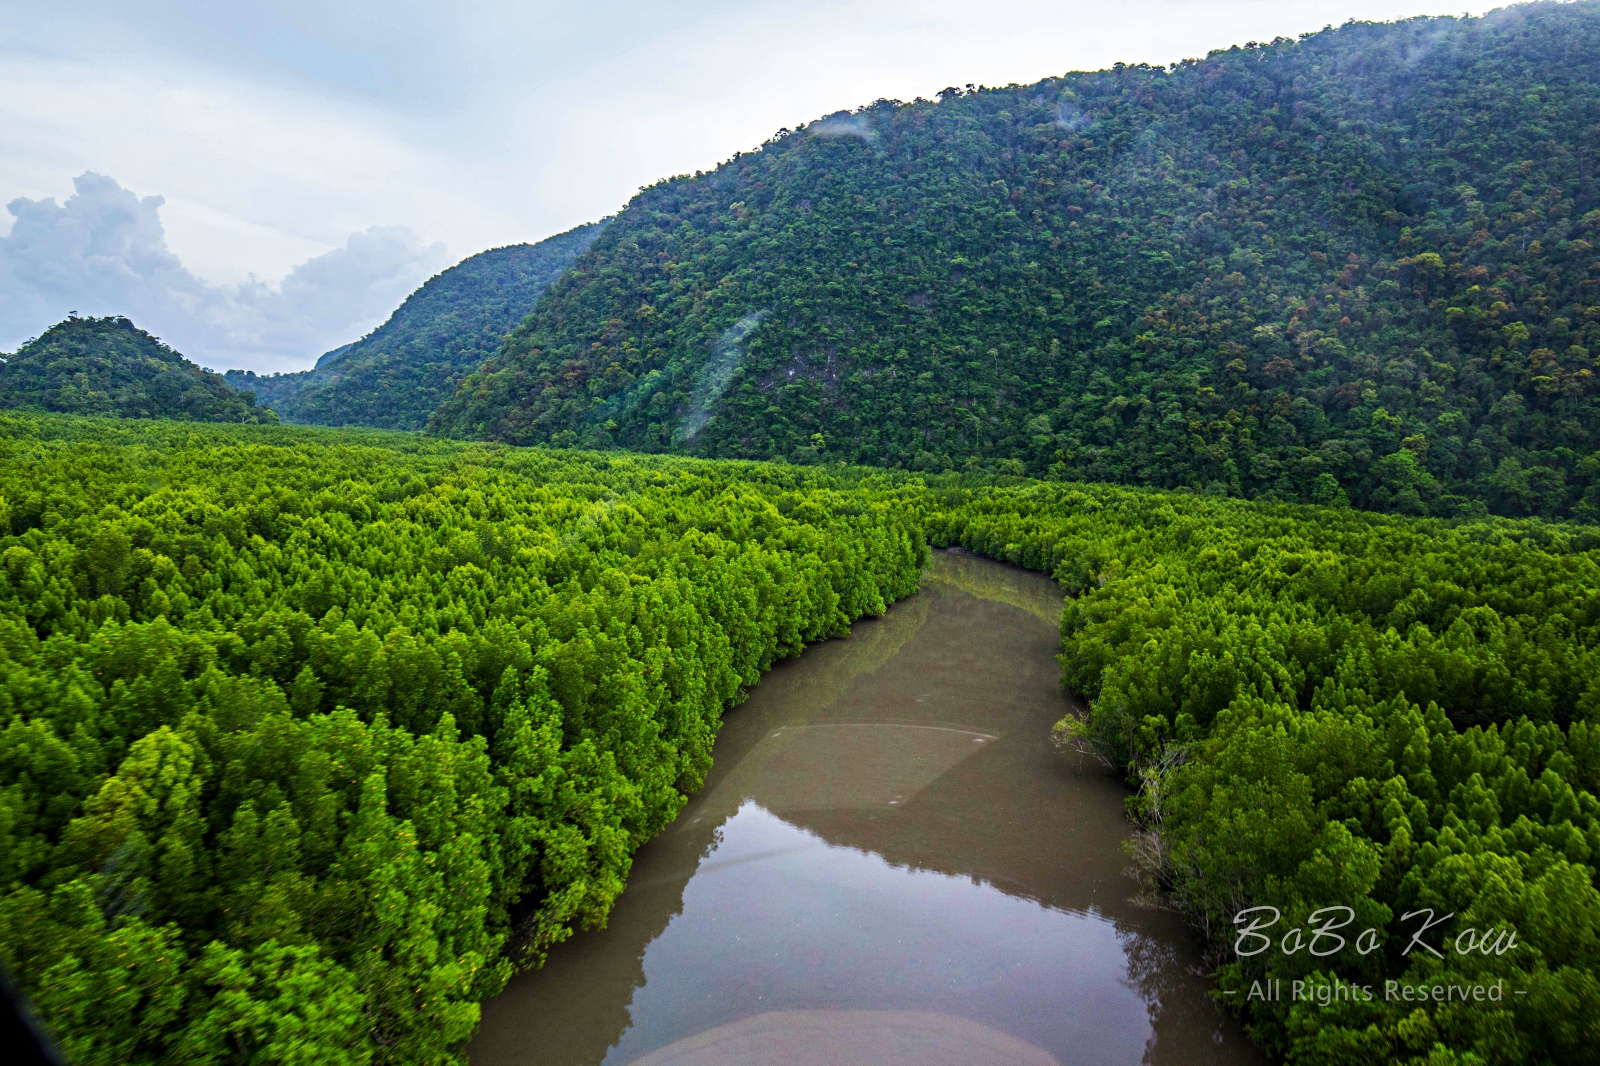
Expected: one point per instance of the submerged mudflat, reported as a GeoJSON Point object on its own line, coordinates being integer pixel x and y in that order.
{"type": "Point", "coordinates": [888, 864]}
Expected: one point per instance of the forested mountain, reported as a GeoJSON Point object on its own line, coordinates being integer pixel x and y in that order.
{"type": "Point", "coordinates": [397, 374]}
{"type": "Point", "coordinates": [1359, 265]}
{"type": "Point", "coordinates": [109, 366]}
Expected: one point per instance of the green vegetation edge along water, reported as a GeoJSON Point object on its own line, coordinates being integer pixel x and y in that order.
{"type": "Point", "coordinates": [309, 736]}
{"type": "Point", "coordinates": [312, 736]}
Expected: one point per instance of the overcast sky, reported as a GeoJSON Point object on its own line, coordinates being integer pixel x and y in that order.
{"type": "Point", "coordinates": [261, 182]}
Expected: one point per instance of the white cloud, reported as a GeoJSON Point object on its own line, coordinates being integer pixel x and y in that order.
{"type": "Point", "coordinates": [257, 178]}
{"type": "Point", "coordinates": [104, 251]}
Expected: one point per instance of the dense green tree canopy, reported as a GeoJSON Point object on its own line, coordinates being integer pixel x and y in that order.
{"type": "Point", "coordinates": [1361, 265]}
{"type": "Point", "coordinates": [396, 375]}
{"type": "Point", "coordinates": [309, 736]}
{"type": "Point", "coordinates": [306, 736]}
{"type": "Point", "coordinates": [1325, 708]}
{"type": "Point", "coordinates": [109, 366]}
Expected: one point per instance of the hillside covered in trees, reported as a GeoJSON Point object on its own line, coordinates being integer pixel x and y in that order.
{"type": "Point", "coordinates": [310, 737]}
{"type": "Point", "coordinates": [396, 375]}
{"type": "Point", "coordinates": [109, 366]}
{"type": "Point", "coordinates": [1361, 266]}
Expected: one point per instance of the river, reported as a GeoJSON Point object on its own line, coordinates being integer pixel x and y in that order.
{"type": "Point", "coordinates": [888, 864]}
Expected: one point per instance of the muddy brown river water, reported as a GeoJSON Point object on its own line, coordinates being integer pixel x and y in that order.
{"type": "Point", "coordinates": [888, 865]}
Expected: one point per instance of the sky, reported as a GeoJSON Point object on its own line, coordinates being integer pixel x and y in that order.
{"type": "Point", "coordinates": [259, 183]}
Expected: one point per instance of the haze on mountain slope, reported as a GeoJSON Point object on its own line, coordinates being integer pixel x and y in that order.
{"type": "Point", "coordinates": [397, 374]}
{"type": "Point", "coordinates": [1359, 265]}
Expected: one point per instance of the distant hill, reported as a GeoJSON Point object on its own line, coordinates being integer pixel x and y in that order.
{"type": "Point", "coordinates": [396, 375]}
{"type": "Point", "coordinates": [1362, 264]}
{"type": "Point", "coordinates": [109, 366]}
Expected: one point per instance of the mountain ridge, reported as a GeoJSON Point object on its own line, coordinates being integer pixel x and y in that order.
{"type": "Point", "coordinates": [1303, 270]}
{"type": "Point", "coordinates": [110, 367]}
{"type": "Point", "coordinates": [398, 373]}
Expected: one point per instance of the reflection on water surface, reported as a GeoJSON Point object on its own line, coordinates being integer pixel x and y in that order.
{"type": "Point", "coordinates": [888, 865]}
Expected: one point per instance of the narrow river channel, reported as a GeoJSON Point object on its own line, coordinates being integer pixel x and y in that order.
{"type": "Point", "coordinates": [890, 866]}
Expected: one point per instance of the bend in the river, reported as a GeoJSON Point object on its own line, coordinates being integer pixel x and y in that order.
{"type": "Point", "coordinates": [888, 864]}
